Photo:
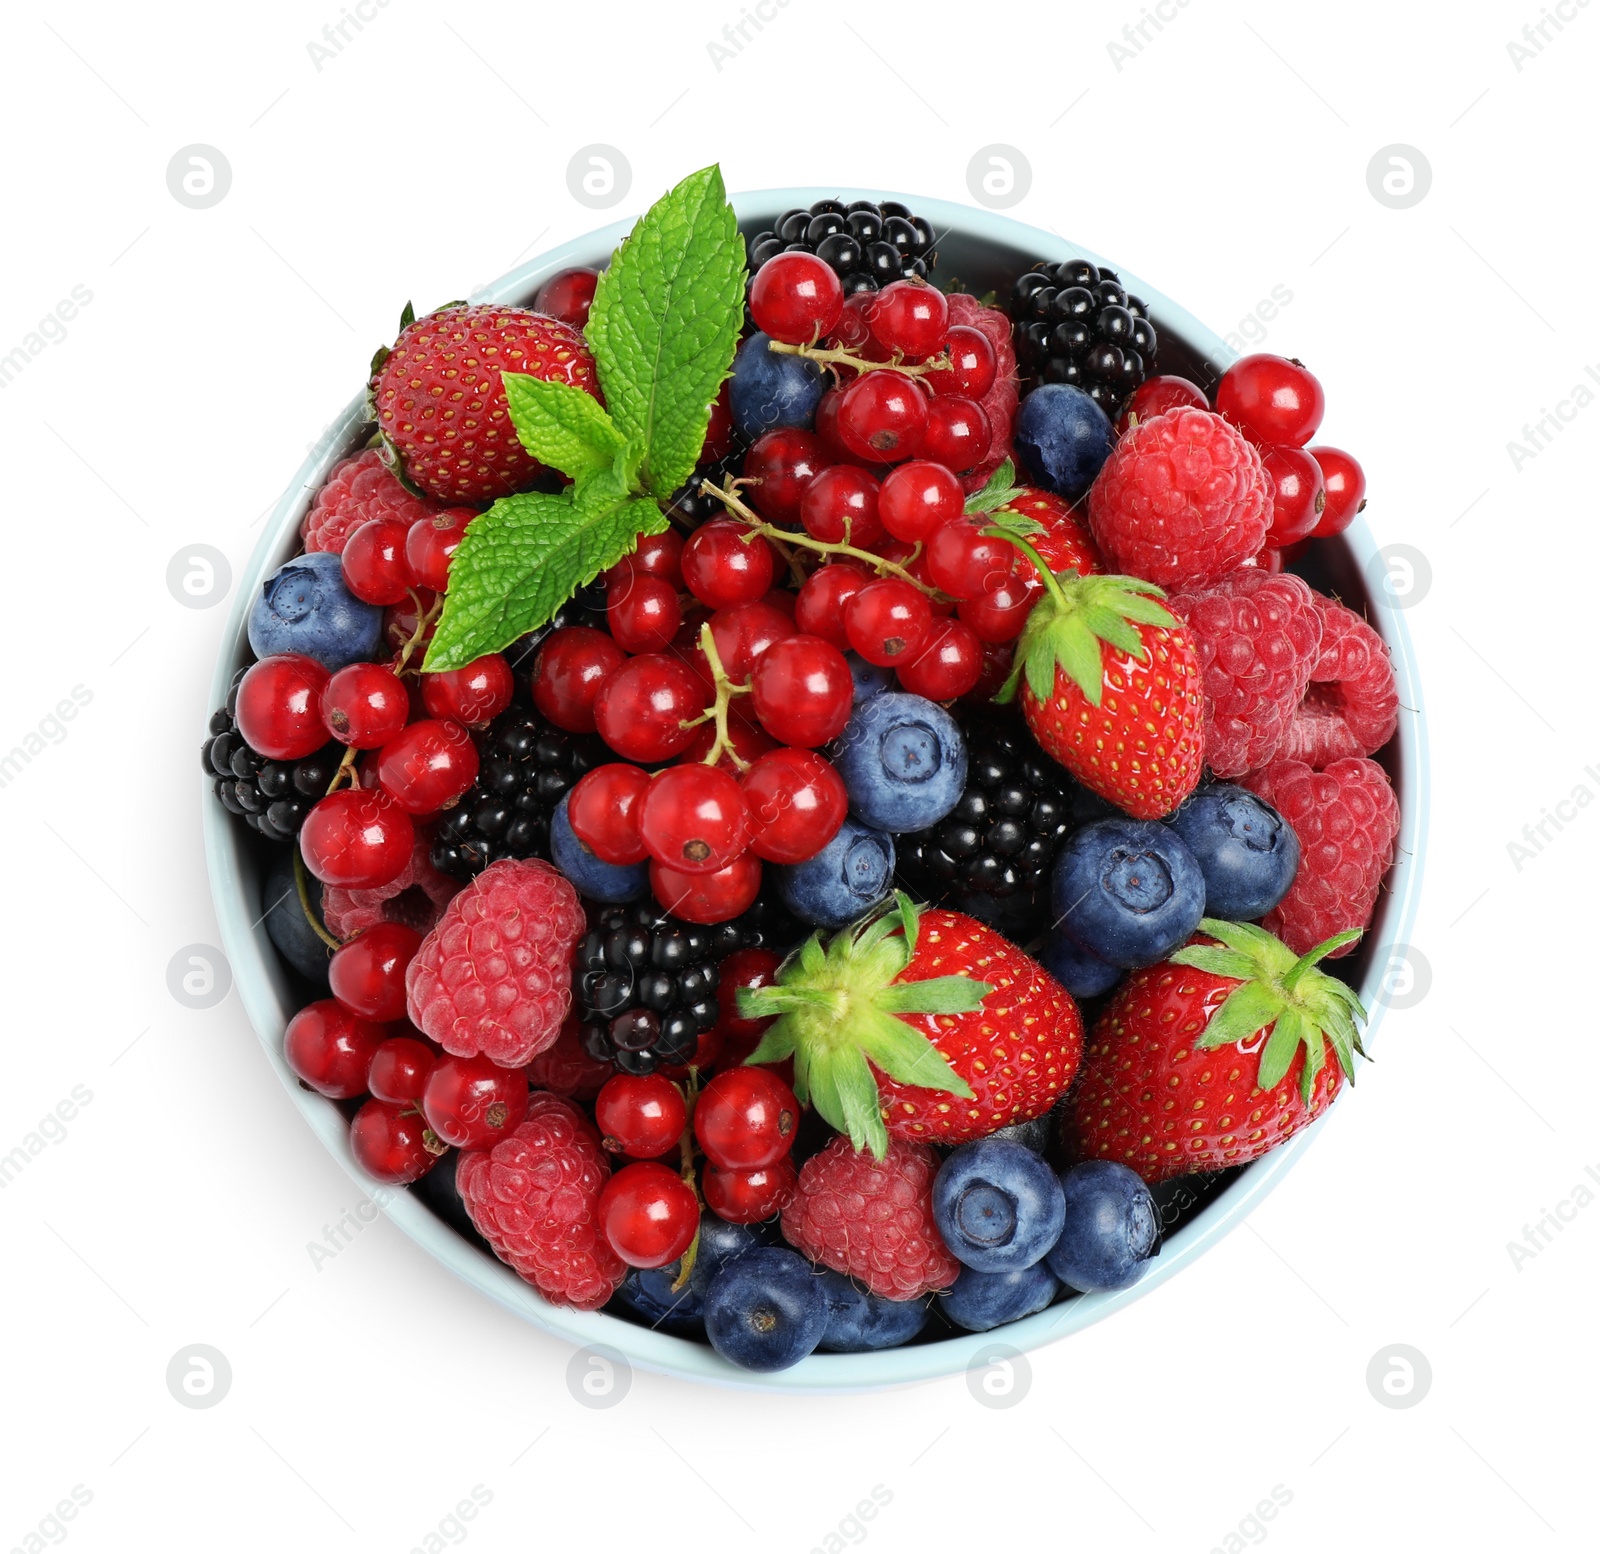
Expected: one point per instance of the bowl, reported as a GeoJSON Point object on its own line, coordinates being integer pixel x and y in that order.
{"type": "Point", "coordinates": [982, 249]}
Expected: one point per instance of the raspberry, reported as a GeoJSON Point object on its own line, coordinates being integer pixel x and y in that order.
{"type": "Point", "coordinates": [1346, 818]}
{"type": "Point", "coordinates": [1182, 500]}
{"type": "Point", "coordinates": [535, 1198]}
{"type": "Point", "coordinates": [415, 897]}
{"type": "Point", "coordinates": [1000, 403]}
{"type": "Point", "coordinates": [566, 1069]}
{"type": "Point", "coordinates": [872, 1220]}
{"type": "Point", "coordinates": [358, 489]}
{"type": "Point", "coordinates": [1258, 637]}
{"type": "Point", "coordinates": [1352, 705]}
{"type": "Point", "coordinates": [494, 975]}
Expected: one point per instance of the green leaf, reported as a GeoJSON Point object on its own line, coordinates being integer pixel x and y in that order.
{"type": "Point", "coordinates": [906, 1054]}
{"type": "Point", "coordinates": [1218, 961]}
{"type": "Point", "coordinates": [519, 562]}
{"type": "Point", "coordinates": [1288, 1034]}
{"type": "Point", "coordinates": [995, 492]}
{"type": "Point", "coordinates": [665, 320]}
{"type": "Point", "coordinates": [562, 426]}
{"type": "Point", "coordinates": [937, 995]}
{"type": "Point", "coordinates": [1246, 1010]}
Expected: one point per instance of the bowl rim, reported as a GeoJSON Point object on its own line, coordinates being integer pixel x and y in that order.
{"type": "Point", "coordinates": [248, 948]}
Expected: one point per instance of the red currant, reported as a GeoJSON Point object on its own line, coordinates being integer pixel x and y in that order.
{"type": "Point", "coordinates": [1273, 400]}
{"type": "Point", "coordinates": [747, 1197]}
{"type": "Point", "coordinates": [572, 664]}
{"type": "Point", "coordinates": [724, 563]}
{"type": "Point", "coordinates": [330, 1049]}
{"type": "Point", "coordinates": [368, 973]}
{"type": "Point", "coordinates": [429, 766]}
{"type": "Point", "coordinates": [742, 633]}
{"type": "Point", "coordinates": [888, 621]}
{"type": "Point", "coordinates": [364, 705]}
{"type": "Point", "coordinates": [603, 811]}
{"type": "Point", "coordinates": [655, 555]}
{"type": "Point", "coordinates": [909, 319]}
{"type": "Point", "coordinates": [882, 417]}
{"type": "Point", "coordinates": [1271, 559]}
{"type": "Point", "coordinates": [399, 1069]}
{"type": "Point", "coordinates": [948, 666]}
{"type": "Point", "coordinates": [1156, 396]}
{"type": "Point", "coordinates": [1000, 614]}
{"type": "Point", "coordinates": [853, 331]}
{"type": "Point", "coordinates": [708, 898]}
{"type": "Point", "coordinates": [972, 368]}
{"type": "Point", "coordinates": [358, 837]}
{"type": "Point", "coordinates": [957, 434]}
{"type": "Point", "coordinates": [802, 690]}
{"type": "Point", "coordinates": [374, 562]}
{"type": "Point", "coordinates": [470, 1102]}
{"type": "Point", "coordinates": [693, 819]}
{"type": "Point", "coordinates": [1298, 494]}
{"type": "Point", "coordinates": [644, 704]}
{"type": "Point", "coordinates": [796, 298]}
{"type": "Point", "coordinates": [648, 1212]}
{"type": "Point", "coordinates": [917, 497]}
{"type": "Point", "coordinates": [841, 504]}
{"type": "Point", "coordinates": [279, 706]}
{"type": "Point", "coordinates": [819, 606]}
{"type": "Point", "coordinates": [431, 544]}
{"type": "Point", "coordinates": [642, 612]}
{"type": "Point", "coordinates": [567, 295]}
{"type": "Point", "coordinates": [472, 695]}
{"type": "Point", "coordinates": [748, 742]}
{"type": "Point", "coordinates": [826, 423]}
{"type": "Point", "coordinates": [964, 562]}
{"type": "Point", "coordinates": [641, 1115]}
{"type": "Point", "coordinates": [746, 1118]}
{"type": "Point", "coordinates": [796, 802]}
{"type": "Point", "coordinates": [392, 1144]}
{"type": "Point", "coordinates": [744, 968]}
{"type": "Point", "coordinates": [719, 430]}
{"type": "Point", "coordinates": [1346, 491]}
{"type": "Point", "coordinates": [778, 467]}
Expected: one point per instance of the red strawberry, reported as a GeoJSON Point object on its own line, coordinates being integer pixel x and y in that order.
{"type": "Point", "coordinates": [1060, 537]}
{"type": "Point", "coordinates": [1111, 688]}
{"type": "Point", "coordinates": [1214, 1056]}
{"type": "Point", "coordinates": [893, 1032]}
{"type": "Point", "coordinates": [440, 403]}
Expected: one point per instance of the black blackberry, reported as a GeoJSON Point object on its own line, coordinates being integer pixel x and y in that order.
{"type": "Point", "coordinates": [1076, 323]}
{"type": "Point", "coordinates": [645, 983]}
{"type": "Point", "coordinates": [867, 244]}
{"type": "Point", "coordinates": [526, 766]}
{"type": "Point", "coordinates": [272, 797]}
{"type": "Point", "coordinates": [991, 855]}
{"type": "Point", "coordinates": [689, 506]}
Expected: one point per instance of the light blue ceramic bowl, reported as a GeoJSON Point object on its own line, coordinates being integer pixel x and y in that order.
{"type": "Point", "coordinates": [982, 249]}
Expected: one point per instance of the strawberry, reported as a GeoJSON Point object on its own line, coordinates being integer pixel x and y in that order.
{"type": "Point", "coordinates": [1215, 1055]}
{"type": "Point", "coordinates": [440, 403]}
{"type": "Point", "coordinates": [1111, 688]}
{"type": "Point", "coordinates": [893, 1032]}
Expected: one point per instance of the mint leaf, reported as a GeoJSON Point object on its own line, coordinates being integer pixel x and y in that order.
{"type": "Point", "coordinates": [996, 491]}
{"type": "Point", "coordinates": [562, 426]}
{"type": "Point", "coordinates": [664, 324]}
{"type": "Point", "coordinates": [519, 562]}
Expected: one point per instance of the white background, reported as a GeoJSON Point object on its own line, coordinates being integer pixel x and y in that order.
{"type": "Point", "coordinates": [1227, 158]}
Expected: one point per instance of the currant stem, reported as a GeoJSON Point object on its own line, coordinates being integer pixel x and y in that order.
{"type": "Point", "coordinates": [303, 890]}
{"type": "Point", "coordinates": [718, 711]}
{"type": "Point", "coordinates": [425, 618]}
{"type": "Point", "coordinates": [346, 769]}
{"type": "Point", "coordinates": [836, 358]}
{"type": "Point", "coordinates": [686, 1169]}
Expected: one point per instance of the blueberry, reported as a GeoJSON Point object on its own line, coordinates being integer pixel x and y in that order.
{"type": "Point", "coordinates": [1112, 1227]}
{"type": "Point", "coordinates": [305, 608]}
{"type": "Point", "coordinates": [1080, 973]}
{"type": "Point", "coordinates": [1063, 437]}
{"type": "Point", "coordinates": [297, 941]}
{"type": "Point", "coordinates": [869, 679]}
{"type": "Point", "coordinates": [648, 1294]}
{"type": "Point", "coordinates": [998, 1206]}
{"type": "Point", "coordinates": [853, 872]}
{"type": "Point", "coordinates": [859, 1320]}
{"type": "Point", "coordinates": [770, 388]}
{"type": "Point", "coordinates": [903, 761]}
{"type": "Point", "coordinates": [1247, 852]}
{"type": "Point", "coordinates": [1128, 891]}
{"type": "Point", "coordinates": [980, 1301]}
{"type": "Point", "coordinates": [609, 882]}
{"type": "Point", "coordinates": [766, 1310]}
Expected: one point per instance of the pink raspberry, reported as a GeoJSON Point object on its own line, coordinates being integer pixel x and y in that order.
{"type": "Point", "coordinates": [1258, 637]}
{"type": "Point", "coordinates": [358, 489]}
{"type": "Point", "coordinates": [872, 1219]}
{"type": "Point", "coordinates": [1353, 704]}
{"type": "Point", "coordinates": [495, 974]}
{"type": "Point", "coordinates": [1347, 819]}
{"type": "Point", "coordinates": [415, 897]}
{"type": "Point", "coordinates": [1000, 403]}
{"type": "Point", "coordinates": [1182, 500]}
{"type": "Point", "coordinates": [535, 1195]}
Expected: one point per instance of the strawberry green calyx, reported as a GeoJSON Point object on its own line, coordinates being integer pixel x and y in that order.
{"type": "Point", "coordinates": [998, 491]}
{"type": "Point", "coordinates": [838, 1006]}
{"type": "Point", "coordinates": [1303, 1005]}
{"type": "Point", "coordinates": [1071, 622]}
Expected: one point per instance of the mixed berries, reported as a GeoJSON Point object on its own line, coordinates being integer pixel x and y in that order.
{"type": "Point", "coordinates": [822, 929]}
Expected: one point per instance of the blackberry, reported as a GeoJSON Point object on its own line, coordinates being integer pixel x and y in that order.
{"type": "Point", "coordinates": [272, 797]}
{"type": "Point", "coordinates": [689, 506]}
{"type": "Point", "coordinates": [991, 855]}
{"type": "Point", "coordinates": [1076, 323]}
{"type": "Point", "coordinates": [867, 244]}
{"type": "Point", "coordinates": [645, 982]}
{"type": "Point", "coordinates": [526, 766]}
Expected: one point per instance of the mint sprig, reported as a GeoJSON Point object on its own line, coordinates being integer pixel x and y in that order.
{"type": "Point", "coordinates": [663, 328]}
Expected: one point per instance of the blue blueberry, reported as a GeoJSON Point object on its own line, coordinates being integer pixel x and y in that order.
{"type": "Point", "coordinates": [980, 1301]}
{"type": "Point", "coordinates": [305, 608]}
{"type": "Point", "coordinates": [1063, 437]}
{"type": "Point", "coordinates": [1080, 973]}
{"type": "Point", "coordinates": [771, 388]}
{"type": "Point", "coordinates": [599, 881]}
{"type": "Point", "coordinates": [297, 941]}
{"type": "Point", "coordinates": [766, 1310]}
{"type": "Point", "coordinates": [869, 679]}
{"type": "Point", "coordinates": [998, 1206]}
{"type": "Point", "coordinates": [720, 1243]}
{"type": "Point", "coordinates": [859, 1320]}
{"type": "Point", "coordinates": [903, 761]}
{"type": "Point", "coordinates": [1112, 1227]}
{"type": "Point", "coordinates": [1127, 891]}
{"type": "Point", "coordinates": [1247, 852]}
{"type": "Point", "coordinates": [649, 1293]}
{"type": "Point", "coordinates": [854, 872]}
